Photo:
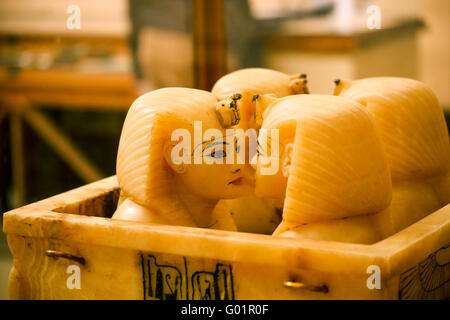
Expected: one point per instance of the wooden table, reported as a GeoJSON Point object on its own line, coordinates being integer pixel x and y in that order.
{"type": "Point", "coordinates": [23, 93]}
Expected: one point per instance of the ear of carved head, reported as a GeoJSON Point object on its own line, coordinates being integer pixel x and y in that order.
{"type": "Point", "coordinates": [174, 162]}
{"type": "Point", "coordinates": [286, 159]}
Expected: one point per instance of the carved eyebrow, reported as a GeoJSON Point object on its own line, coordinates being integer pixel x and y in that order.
{"type": "Point", "coordinates": [204, 142]}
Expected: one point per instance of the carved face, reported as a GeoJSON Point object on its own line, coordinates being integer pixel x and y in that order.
{"type": "Point", "coordinates": [212, 177]}
{"type": "Point", "coordinates": [271, 165]}
{"type": "Point", "coordinates": [332, 155]}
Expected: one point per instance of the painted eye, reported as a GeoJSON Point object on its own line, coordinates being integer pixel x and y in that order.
{"type": "Point", "coordinates": [218, 154]}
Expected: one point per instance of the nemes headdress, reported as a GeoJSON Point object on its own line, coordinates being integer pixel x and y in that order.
{"type": "Point", "coordinates": [237, 91]}
{"type": "Point", "coordinates": [260, 81]}
{"type": "Point", "coordinates": [142, 171]}
{"type": "Point", "coordinates": [339, 168]}
{"type": "Point", "coordinates": [411, 124]}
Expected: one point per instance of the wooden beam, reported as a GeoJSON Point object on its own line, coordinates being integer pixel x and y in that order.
{"type": "Point", "coordinates": [3, 113]}
{"type": "Point", "coordinates": [62, 145]}
{"type": "Point", "coordinates": [17, 159]}
{"type": "Point", "coordinates": [209, 42]}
